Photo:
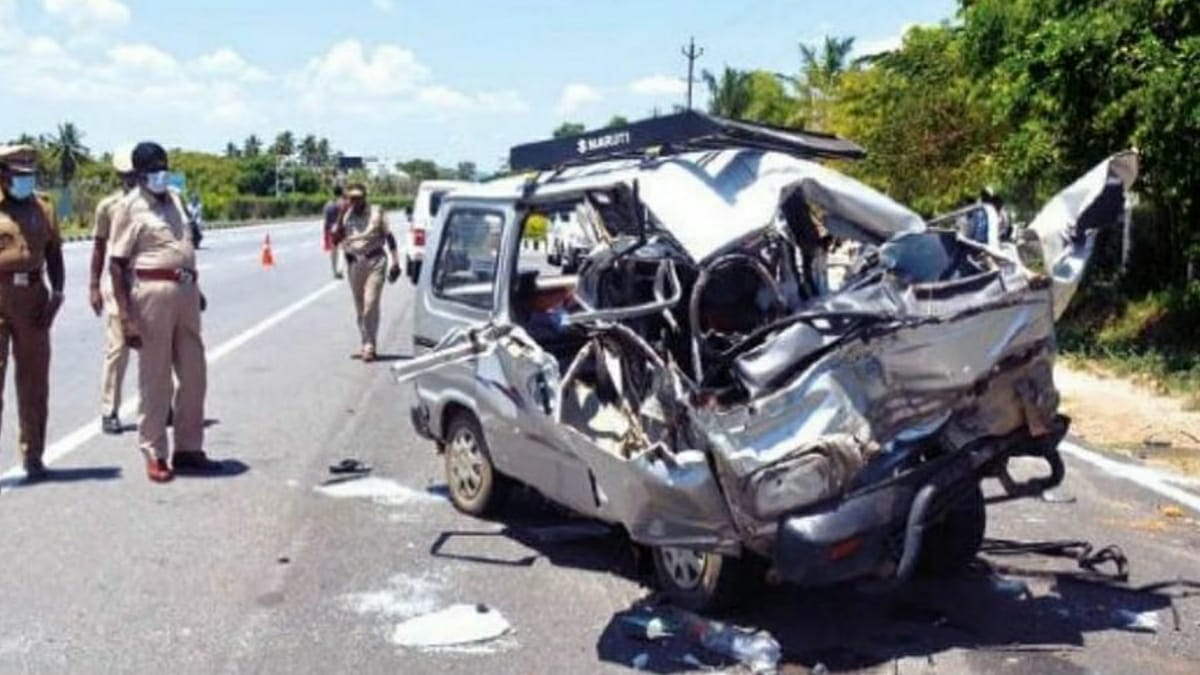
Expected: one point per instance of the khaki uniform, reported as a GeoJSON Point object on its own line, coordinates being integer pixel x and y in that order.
{"type": "Point", "coordinates": [116, 353]}
{"type": "Point", "coordinates": [152, 234]}
{"type": "Point", "coordinates": [27, 228]}
{"type": "Point", "coordinates": [364, 244]}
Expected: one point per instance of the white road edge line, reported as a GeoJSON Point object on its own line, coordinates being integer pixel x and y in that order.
{"type": "Point", "coordinates": [76, 439]}
{"type": "Point", "coordinates": [1158, 482]}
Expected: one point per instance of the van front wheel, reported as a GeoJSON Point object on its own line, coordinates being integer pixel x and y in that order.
{"type": "Point", "coordinates": [700, 581]}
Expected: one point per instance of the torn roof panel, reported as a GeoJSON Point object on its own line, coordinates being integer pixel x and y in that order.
{"type": "Point", "coordinates": [709, 199]}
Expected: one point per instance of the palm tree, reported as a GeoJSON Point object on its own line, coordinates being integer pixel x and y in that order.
{"type": "Point", "coordinates": [822, 67]}
{"type": "Point", "coordinates": [252, 147]}
{"type": "Point", "coordinates": [728, 95]}
{"type": "Point", "coordinates": [67, 150]}
{"type": "Point", "coordinates": [232, 150]}
{"type": "Point", "coordinates": [310, 151]}
{"type": "Point", "coordinates": [284, 145]}
{"type": "Point", "coordinates": [324, 153]}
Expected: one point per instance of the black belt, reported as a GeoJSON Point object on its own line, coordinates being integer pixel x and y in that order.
{"type": "Point", "coordinates": [351, 259]}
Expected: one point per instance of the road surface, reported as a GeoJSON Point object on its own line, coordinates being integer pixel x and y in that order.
{"type": "Point", "coordinates": [259, 572]}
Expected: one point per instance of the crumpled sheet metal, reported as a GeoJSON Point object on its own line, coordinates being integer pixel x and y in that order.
{"type": "Point", "coordinates": [1066, 242]}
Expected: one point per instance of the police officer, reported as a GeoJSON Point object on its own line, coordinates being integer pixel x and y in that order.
{"type": "Point", "coordinates": [100, 296]}
{"type": "Point", "coordinates": [331, 212]}
{"type": "Point", "coordinates": [29, 243]}
{"type": "Point", "coordinates": [153, 272]}
{"type": "Point", "coordinates": [362, 231]}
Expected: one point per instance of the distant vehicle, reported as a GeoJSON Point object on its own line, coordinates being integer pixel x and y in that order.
{"type": "Point", "coordinates": [425, 209]}
{"type": "Point", "coordinates": [566, 242]}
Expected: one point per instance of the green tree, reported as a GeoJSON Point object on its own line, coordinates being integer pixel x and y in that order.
{"type": "Point", "coordinates": [769, 101]}
{"type": "Point", "coordinates": [419, 170]}
{"type": "Point", "coordinates": [729, 92]}
{"type": "Point", "coordinates": [310, 151]}
{"type": "Point", "coordinates": [569, 129]}
{"type": "Point", "coordinates": [252, 147]}
{"type": "Point", "coordinates": [466, 171]}
{"type": "Point", "coordinates": [821, 71]}
{"type": "Point", "coordinates": [284, 145]}
{"type": "Point", "coordinates": [617, 121]}
{"type": "Point", "coordinates": [67, 151]}
{"type": "Point", "coordinates": [232, 151]}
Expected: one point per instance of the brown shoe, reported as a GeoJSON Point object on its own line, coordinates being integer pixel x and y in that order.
{"type": "Point", "coordinates": [194, 461]}
{"type": "Point", "coordinates": [158, 471]}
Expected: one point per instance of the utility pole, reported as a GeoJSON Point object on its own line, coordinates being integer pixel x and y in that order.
{"type": "Point", "coordinates": [692, 54]}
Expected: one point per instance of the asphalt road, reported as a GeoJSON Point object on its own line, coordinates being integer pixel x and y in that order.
{"type": "Point", "coordinates": [258, 571]}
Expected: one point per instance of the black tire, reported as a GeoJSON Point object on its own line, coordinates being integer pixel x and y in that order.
{"type": "Point", "coordinates": [951, 544]}
{"type": "Point", "coordinates": [475, 487]}
{"type": "Point", "coordinates": [702, 581]}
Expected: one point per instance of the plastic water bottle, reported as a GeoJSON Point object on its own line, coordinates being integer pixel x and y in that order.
{"type": "Point", "coordinates": [756, 650]}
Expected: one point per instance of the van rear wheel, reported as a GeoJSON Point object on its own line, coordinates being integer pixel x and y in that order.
{"type": "Point", "coordinates": [701, 581]}
{"type": "Point", "coordinates": [476, 488]}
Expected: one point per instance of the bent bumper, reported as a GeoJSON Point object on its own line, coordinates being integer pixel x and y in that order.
{"type": "Point", "coordinates": [877, 532]}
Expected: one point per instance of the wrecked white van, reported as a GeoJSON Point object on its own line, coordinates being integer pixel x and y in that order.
{"type": "Point", "coordinates": [762, 363]}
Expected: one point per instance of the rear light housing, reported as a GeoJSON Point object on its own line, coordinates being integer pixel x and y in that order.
{"type": "Point", "coordinates": [418, 235]}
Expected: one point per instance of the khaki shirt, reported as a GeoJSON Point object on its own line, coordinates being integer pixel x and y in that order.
{"type": "Point", "coordinates": [365, 232]}
{"type": "Point", "coordinates": [152, 233]}
{"type": "Point", "coordinates": [105, 210]}
{"type": "Point", "coordinates": [27, 227]}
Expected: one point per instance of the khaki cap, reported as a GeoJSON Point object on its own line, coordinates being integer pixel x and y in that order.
{"type": "Point", "coordinates": [19, 158]}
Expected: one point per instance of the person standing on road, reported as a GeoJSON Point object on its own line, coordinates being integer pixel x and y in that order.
{"type": "Point", "coordinates": [154, 279]}
{"type": "Point", "coordinates": [362, 231]}
{"type": "Point", "coordinates": [333, 210]}
{"type": "Point", "coordinates": [100, 296]}
{"type": "Point", "coordinates": [29, 242]}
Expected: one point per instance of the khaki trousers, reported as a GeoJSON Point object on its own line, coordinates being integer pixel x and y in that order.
{"type": "Point", "coordinates": [116, 361]}
{"type": "Point", "coordinates": [366, 285]}
{"type": "Point", "coordinates": [168, 316]}
{"type": "Point", "coordinates": [20, 308]}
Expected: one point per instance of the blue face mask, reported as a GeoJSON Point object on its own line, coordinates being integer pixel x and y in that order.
{"type": "Point", "coordinates": [23, 186]}
{"type": "Point", "coordinates": [156, 182]}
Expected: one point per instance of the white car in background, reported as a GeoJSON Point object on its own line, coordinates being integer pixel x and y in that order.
{"type": "Point", "coordinates": [424, 212]}
{"type": "Point", "coordinates": [566, 242]}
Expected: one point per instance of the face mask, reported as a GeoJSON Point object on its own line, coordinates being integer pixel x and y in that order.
{"type": "Point", "coordinates": [156, 182]}
{"type": "Point", "coordinates": [23, 186]}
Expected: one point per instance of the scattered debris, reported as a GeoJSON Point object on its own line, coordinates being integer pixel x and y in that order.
{"type": "Point", "coordinates": [379, 490]}
{"type": "Point", "coordinates": [453, 626]}
{"type": "Point", "coordinates": [1012, 587]}
{"type": "Point", "coordinates": [1146, 622]}
{"type": "Point", "coordinates": [755, 649]}
{"type": "Point", "coordinates": [350, 466]}
{"type": "Point", "coordinates": [640, 661]}
{"type": "Point", "coordinates": [1151, 442]}
{"type": "Point", "coordinates": [1057, 496]}
{"type": "Point", "coordinates": [1171, 511]}
{"type": "Point", "coordinates": [645, 626]}
{"type": "Point", "coordinates": [406, 596]}
{"type": "Point", "coordinates": [819, 669]}
{"type": "Point", "coordinates": [569, 532]}
{"type": "Point", "coordinates": [283, 560]}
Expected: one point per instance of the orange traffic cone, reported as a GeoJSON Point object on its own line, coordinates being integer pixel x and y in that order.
{"type": "Point", "coordinates": [268, 258]}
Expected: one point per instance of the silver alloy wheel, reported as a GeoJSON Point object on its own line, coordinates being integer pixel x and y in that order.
{"type": "Point", "coordinates": [684, 565]}
{"type": "Point", "coordinates": [466, 464]}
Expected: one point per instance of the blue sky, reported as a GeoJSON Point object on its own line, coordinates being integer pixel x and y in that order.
{"type": "Point", "coordinates": [451, 80]}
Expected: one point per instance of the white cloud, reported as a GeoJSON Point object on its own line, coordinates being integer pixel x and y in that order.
{"type": "Point", "coordinates": [575, 96]}
{"type": "Point", "coordinates": [883, 44]}
{"type": "Point", "coordinates": [89, 12]}
{"type": "Point", "coordinates": [658, 85]}
{"type": "Point", "coordinates": [385, 6]}
{"type": "Point", "coordinates": [143, 58]}
{"type": "Point", "coordinates": [228, 63]}
{"type": "Point", "coordinates": [349, 68]}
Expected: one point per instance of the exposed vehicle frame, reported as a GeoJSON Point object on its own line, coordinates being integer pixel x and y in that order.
{"type": "Point", "coordinates": [702, 383]}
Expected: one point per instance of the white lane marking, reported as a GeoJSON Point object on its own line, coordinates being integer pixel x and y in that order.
{"type": "Point", "coordinates": [1156, 481]}
{"type": "Point", "coordinates": [76, 439]}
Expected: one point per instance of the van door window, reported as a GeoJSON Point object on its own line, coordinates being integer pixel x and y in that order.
{"type": "Point", "coordinates": [435, 202]}
{"type": "Point", "coordinates": [466, 262]}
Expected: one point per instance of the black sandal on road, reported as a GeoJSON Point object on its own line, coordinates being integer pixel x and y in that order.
{"type": "Point", "coordinates": [349, 466]}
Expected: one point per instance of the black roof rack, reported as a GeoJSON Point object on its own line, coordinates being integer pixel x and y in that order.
{"type": "Point", "coordinates": [672, 134]}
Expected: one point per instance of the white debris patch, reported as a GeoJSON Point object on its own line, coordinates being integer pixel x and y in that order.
{"type": "Point", "coordinates": [405, 597]}
{"type": "Point", "coordinates": [454, 626]}
{"type": "Point", "coordinates": [1146, 622]}
{"type": "Point", "coordinates": [379, 490]}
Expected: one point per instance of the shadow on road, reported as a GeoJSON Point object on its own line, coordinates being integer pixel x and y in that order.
{"type": "Point", "coordinates": [991, 611]}
{"type": "Point", "coordinates": [230, 468]}
{"type": "Point", "coordinates": [55, 475]}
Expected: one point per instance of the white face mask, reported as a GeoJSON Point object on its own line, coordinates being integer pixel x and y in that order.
{"type": "Point", "coordinates": [156, 182]}
{"type": "Point", "coordinates": [23, 186]}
